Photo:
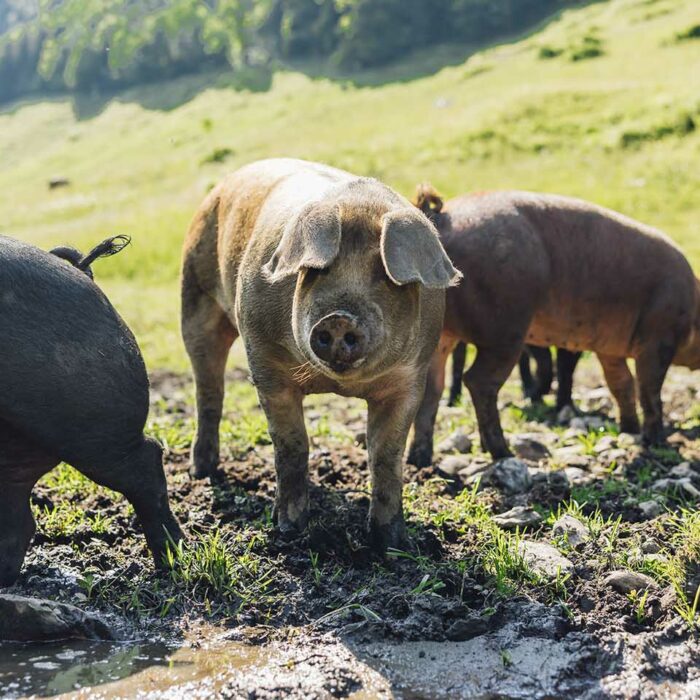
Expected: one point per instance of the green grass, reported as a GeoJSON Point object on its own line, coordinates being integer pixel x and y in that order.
{"type": "Point", "coordinates": [615, 129]}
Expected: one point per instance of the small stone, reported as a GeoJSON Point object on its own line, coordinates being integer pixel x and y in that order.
{"type": "Point", "coordinates": [37, 620]}
{"type": "Point", "coordinates": [650, 546]}
{"type": "Point", "coordinates": [458, 441]}
{"type": "Point", "coordinates": [577, 476]}
{"type": "Point", "coordinates": [689, 489]}
{"type": "Point", "coordinates": [578, 424]}
{"type": "Point", "coordinates": [453, 464]}
{"type": "Point", "coordinates": [511, 475]}
{"type": "Point", "coordinates": [628, 440]}
{"type": "Point", "coordinates": [661, 485]}
{"type": "Point", "coordinates": [476, 469]}
{"type": "Point", "coordinates": [624, 581]}
{"type": "Point", "coordinates": [527, 448]}
{"type": "Point", "coordinates": [607, 442]}
{"type": "Point", "coordinates": [520, 516]}
{"type": "Point", "coordinates": [566, 415]}
{"type": "Point", "coordinates": [650, 509]}
{"type": "Point", "coordinates": [544, 558]}
{"type": "Point", "coordinates": [684, 471]}
{"type": "Point", "coordinates": [614, 455]}
{"type": "Point", "coordinates": [571, 454]}
{"type": "Point", "coordinates": [571, 529]}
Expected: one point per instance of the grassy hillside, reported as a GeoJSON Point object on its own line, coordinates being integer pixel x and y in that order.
{"type": "Point", "coordinates": [542, 113]}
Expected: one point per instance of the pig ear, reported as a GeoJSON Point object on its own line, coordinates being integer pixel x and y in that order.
{"type": "Point", "coordinates": [310, 239]}
{"type": "Point", "coordinates": [411, 251]}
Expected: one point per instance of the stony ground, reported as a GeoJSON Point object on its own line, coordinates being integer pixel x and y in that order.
{"type": "Point", "coordinates": [577, 563]}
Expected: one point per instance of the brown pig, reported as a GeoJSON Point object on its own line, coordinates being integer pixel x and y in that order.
{"type": "Point", "coordinates": [336, 284]}
{"type": "Point", "coordinates": [550, 270]}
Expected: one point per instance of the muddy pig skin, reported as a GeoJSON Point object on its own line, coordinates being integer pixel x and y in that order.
{"type": "Point", "coordinates": [336, 284]}
{"type": "Point", "coordinates": [74, 389]}
{"type": "Point", "coordinates": [549, 270]}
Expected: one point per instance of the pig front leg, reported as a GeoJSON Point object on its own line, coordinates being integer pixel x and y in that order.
{"type": "Point", "coordinates": [420, 453]}
{"type": "Point", "coordinates": [621, 384]}
{"type": "Point", "coordinates": [285, 418]}
{"type": "Point", "coordinates": [17, 528]}
{"type": "Point", "coordinates": [652, 365]}
{"type": "Point", "coordinates": [388, 423]}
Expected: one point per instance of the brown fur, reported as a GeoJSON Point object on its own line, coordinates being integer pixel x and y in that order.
{"type": "Point", "coordinates": [551, 270]}
{"type": "Point", "coordinates": [276, 249]}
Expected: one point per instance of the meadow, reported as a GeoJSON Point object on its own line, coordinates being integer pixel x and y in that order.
{"type": "Point", "coordinates": [617, 128]}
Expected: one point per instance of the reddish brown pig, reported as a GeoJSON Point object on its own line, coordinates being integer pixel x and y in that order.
{"type": "Point", "coordinates": [336, 284]}
{"type": "Point", "coordinates": [550, 270]}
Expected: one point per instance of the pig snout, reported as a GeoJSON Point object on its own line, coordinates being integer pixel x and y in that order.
{"type": "Point", "coordinates": [340, 341]}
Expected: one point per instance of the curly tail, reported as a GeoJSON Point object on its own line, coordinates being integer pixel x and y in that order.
{"type": "Point", "coordinates": [428, 200]}
{"type": "Point", "coordinates": [110, 246]}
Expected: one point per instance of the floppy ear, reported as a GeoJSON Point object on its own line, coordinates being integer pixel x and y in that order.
{"type": "Point", "coordinates": [412, 252]}
{"type": "Point", "coordinates": [310, 239]}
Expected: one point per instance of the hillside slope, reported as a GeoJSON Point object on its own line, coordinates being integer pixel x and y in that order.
{"type": "Point", "coordinates": [617, 128]}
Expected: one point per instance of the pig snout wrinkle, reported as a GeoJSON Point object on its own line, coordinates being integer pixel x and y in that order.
{"type": "Point", "coordinates": [339, 341]}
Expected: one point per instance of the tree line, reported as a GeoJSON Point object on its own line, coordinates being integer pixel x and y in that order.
{"type": "Point", "coordinates": [103, 45]}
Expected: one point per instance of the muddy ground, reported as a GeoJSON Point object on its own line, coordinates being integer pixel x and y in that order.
{"type": "Point", "coordinates": [465, 613]}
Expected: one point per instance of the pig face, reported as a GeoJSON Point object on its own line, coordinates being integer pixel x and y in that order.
{"type": "Point", "coordinates": [360, 272]}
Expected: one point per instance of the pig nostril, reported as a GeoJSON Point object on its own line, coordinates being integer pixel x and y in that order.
{"type": "Point", "coordinates": [324, 338]}
{"type": "Point", "coordinates": [350, 339]}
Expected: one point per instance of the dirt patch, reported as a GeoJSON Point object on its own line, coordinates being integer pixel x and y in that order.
{"type": "Point", "coordinates": [461, 594]}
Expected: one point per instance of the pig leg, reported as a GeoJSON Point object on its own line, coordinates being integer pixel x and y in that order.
{"type": "Point", "coordinates": [652, 365]}
{"type": "Point", "coordinates": [388, 423]}
{"type": "Point", "coordinates": [140, 478]}
{"type": "Point", "coordinates": [421, 452]}
{"type": "Point", "coordinates": [285, 419]}
{"type": "Point", "coordinates": [621, 384]}
{"type": "Point", "coordinates": [566, 364]}
{"type": "Point", "coordinates": [459, 356]}
{"type": "Point", "coordinates": [543, 358]}
{"type": "Point", "coordinates": [17, 528]}
{"type": "Point", "coordinates": [526, 378]}
{"type": "Point", "coordinates": [484, 380]}
{"type": "Point", "coordinates": [22, 463]}
{"type": "Point", "coordinates": [208, 336]}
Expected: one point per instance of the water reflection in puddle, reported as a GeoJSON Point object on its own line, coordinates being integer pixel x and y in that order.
{"type": "Point", "coordinates": [51, 669]}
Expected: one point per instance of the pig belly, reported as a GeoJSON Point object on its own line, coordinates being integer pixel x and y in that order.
{"type": "Point", "coordinates": [576, 329]}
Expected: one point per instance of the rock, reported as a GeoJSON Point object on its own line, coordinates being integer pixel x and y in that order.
{"type": "Point", "coordinates": [458, 441]}
{"type": "Point", "coordinates": [452, 464]}
{"type": "Point", "coordinates": [629, 439]}
{"type": "Point", "coordinates": [661, 485]}
{"type": "Point", "coordinates": [520, 516]}
{"type": "Point", "coordinates": [544, 558]}
{"type": "Point", "coordinates": [577, 476]}
{"type": "Point", "coordinates": [614, 455]}
{"type": "Point", "coordinates": [689, 489]}
{"type": "Point", "coordinates": [650, 509]}
{"type": "Point", "coordinates": [566, 415]}
{"type": "Point", "coordinates": [511, 475]}
{"type": "Point", "coordinates": [527, 448]}
{"type": "Point", "coordinates": [624, 581]}
{"type": "Point", "coordinates": [571, 529]}
{"type": "Point", "coordinates": [650, 546]}
{"type": "Point", "coordinates": [570, 452]}
{"type": "Point", "coordinates": [37, 620]}
{"type": "Point", "coordinates": [475, 469]}
{"type": "Point", "coordinates": [467, 628]}
{"type": "Point", "coordinates": [579, 424]}
{"type": "Point", "coordinates": [684, 471]}
{"type": "Point", "coordinates": [607, 442]}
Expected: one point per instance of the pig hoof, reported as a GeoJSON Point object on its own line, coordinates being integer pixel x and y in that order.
{"type": "Point", "coordinates": [391, 535]}
{"type": "Point", "coordinates": [421, 457]}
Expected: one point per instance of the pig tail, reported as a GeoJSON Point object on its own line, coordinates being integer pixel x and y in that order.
{"type": "Point", "coordinates": [110, 246]}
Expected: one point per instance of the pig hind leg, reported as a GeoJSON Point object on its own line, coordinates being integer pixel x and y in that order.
{"type": "Point", "coordinates": [208, 335]}
{"type": "Point", "coordinates": [421, 451]}
{"type": "Point", "coordinates": [22, 463]}
{"type": "Point", "coordinates": [544, 374]}
{"type": "Point", "coordinates": [652, 364]}
{"type": "Point", "coordinates": [484, 380]}
{"type": "Point", "coordinates": [459, 356]}
{"type": "Point", "coordinates": [566, 365]}
{"type": "Point", "coordinates": [140, 478]}
{"type": "Point", "coordinates": [621, 384]}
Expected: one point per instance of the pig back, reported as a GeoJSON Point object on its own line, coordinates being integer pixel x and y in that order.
{"type": "Point", "coordinates": [71, 374]}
